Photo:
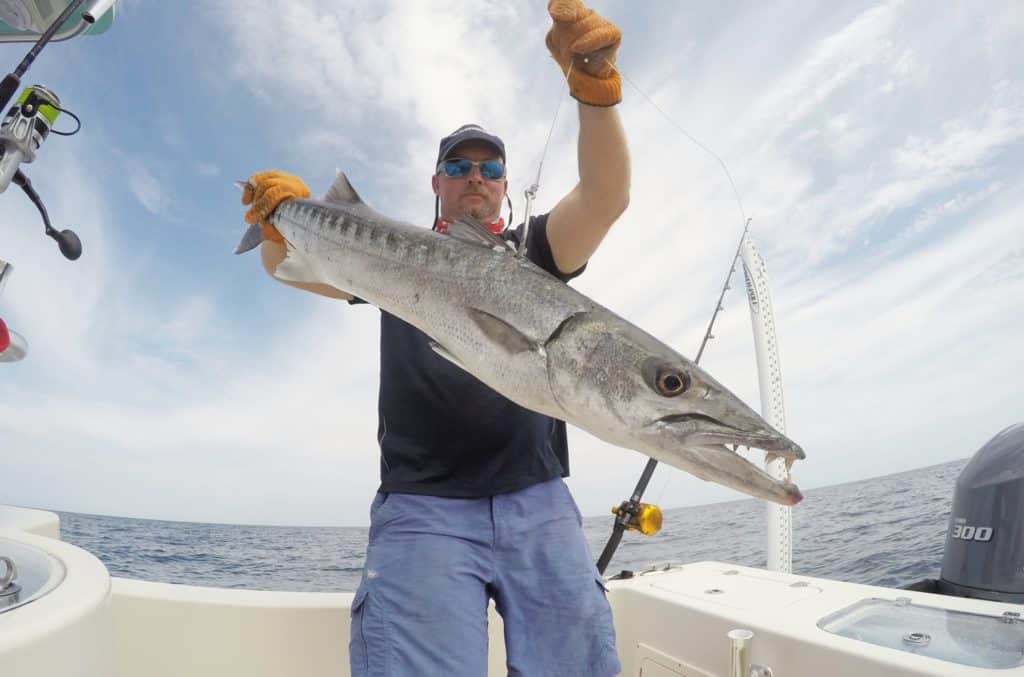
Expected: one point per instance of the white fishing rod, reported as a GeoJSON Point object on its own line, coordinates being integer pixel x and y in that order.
{"type": "Point", "coordinates": [779, 543]}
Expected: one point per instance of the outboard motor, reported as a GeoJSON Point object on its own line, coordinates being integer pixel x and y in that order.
{"type": "Point", "coordinates": [984, 556]}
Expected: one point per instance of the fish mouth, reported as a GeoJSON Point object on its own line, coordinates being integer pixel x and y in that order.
{"type": "Point", "coordinates": [710, 451]}
{"type": "Point", "coordinates": [706, 431]}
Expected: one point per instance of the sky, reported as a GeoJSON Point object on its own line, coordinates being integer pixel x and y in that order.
{"type": "Point", "coordinates": [877, 148]}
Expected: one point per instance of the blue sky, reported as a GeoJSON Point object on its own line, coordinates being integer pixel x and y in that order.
{"type": "Point", "coordinates": [877, 147]}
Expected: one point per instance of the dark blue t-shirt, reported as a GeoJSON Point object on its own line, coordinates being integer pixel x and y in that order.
{"type": "Point", "coordinates": [442, 432]}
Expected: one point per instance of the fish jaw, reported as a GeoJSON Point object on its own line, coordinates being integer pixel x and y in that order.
{"type": "Point", "coordinates": [722, 465]}
{"type": "Point", "coordinates": [633, 391]}
{"type": "Point", "coordinates": [730, 427]}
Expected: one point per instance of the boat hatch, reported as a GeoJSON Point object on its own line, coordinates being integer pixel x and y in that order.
{"type": "Point", "coordinates": [977, 640]}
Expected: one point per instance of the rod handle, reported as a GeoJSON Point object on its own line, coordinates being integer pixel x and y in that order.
{"type": "Point", "coordinates": [8, 87]}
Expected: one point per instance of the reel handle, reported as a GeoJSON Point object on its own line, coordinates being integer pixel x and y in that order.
{"type": "Point", "coordinates": [68, 243]}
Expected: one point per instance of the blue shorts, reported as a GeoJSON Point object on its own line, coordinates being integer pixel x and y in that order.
{"type": "Point", "coordinates": [433, 563]}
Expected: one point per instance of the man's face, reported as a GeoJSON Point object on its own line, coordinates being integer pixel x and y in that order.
{"type": "Point", "coordinates": [472, 195]}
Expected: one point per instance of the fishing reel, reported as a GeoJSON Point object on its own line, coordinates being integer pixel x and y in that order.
{"type": "Point", "coordinates": [636, 516]}
{"type": "Point", "coordinates": [26, 125]}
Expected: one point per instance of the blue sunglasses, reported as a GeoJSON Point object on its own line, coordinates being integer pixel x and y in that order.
{"type": "Point", "coordinates": [459, 168]}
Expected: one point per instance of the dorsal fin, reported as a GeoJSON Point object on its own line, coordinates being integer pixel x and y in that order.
{"type": "Point", "coordinates": [341, 190]}
{"type": "Point", "coordinates": [469, 229]}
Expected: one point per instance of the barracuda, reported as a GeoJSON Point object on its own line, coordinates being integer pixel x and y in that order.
{"type": "Point", "coordinates": [530, 337]}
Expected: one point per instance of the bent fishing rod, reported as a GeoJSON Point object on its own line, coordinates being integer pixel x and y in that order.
{"type": "Point", "coordinates": [631, 514]}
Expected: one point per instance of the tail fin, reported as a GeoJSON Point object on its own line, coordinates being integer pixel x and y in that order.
{"type": "Point", "coordinates": [253, 235]}
{"type": "Point", "coordinates": [251, 239]}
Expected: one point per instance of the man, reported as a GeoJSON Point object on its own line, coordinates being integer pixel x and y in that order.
{"type": "Point", "coordinates": [472, 505]}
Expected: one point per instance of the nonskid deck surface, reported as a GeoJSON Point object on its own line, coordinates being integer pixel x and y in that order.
{"type": "Point", "coordinates": [670, 621]}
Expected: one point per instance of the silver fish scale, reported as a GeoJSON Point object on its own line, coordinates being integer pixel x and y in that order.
{"type": "Point", "coordinates": [414, 273]}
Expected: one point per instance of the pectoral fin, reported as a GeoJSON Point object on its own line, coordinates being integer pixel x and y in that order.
{"type": "Point", "coordinates": [502, 333]}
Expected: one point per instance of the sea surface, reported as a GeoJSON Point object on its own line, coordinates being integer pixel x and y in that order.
{"type": "Point", "coordinates": [886, 531]}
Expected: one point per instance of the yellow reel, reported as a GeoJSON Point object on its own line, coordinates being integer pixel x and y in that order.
{"type": "Point", "coordinates": [646, 518]}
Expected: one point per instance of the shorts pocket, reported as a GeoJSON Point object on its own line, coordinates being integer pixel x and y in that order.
{"type": "Point", "coordinates": [379, 501]}
{"type": "Point", "coordinates": [382, 512]}
{"type": "Point", "coordinates": [359, 654]}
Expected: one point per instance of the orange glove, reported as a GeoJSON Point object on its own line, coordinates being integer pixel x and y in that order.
{"type": "Point", "coordinates": [577, 32]}
{"type": "Point", "coordinates": [266, 190]}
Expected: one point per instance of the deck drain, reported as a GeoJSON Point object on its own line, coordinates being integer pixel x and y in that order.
{"type": "Point", "coordinates": [714, 591]}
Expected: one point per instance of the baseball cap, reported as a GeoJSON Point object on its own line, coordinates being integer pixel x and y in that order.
{"type": "Point", "coordinates": [469, 133]}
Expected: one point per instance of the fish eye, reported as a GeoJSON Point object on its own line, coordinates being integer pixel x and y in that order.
{"type": "Point", "coordinates": [671, 382]}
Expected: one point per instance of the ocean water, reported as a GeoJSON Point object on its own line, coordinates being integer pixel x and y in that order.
{"type": "Point", "coordinates": [886, 531]}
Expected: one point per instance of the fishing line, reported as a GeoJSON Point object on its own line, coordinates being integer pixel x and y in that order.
{"type": "Point", "coordinates": [685, 133]}
{"type": "Point", "coordinates": [663, 488]}
{"type": "Point", "coordinates": [531, 192]}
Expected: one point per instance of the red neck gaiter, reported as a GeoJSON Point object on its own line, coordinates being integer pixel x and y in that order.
{"type": "Point", "coordinates": [496, 227]}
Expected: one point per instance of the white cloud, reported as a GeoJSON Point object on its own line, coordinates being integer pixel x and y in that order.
{"type": "Point", "coordinates": [962, 147]}
{"type": "Point", "coordinates": [831, 63]}
{"type": "Point", "coordinates": [148, 190]}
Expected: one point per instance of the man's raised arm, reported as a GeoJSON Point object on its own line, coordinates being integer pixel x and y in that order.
{"type": "Point", "coordinates": [581, 37]}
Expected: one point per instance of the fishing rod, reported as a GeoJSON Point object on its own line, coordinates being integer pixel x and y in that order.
{"type": "Point", "coordinates": [631, 514]}
{"type": "Point", "coordinates": [30, 120]}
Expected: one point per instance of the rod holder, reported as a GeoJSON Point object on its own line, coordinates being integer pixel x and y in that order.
{"type": "Point", "coordinates": [739, 639]}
